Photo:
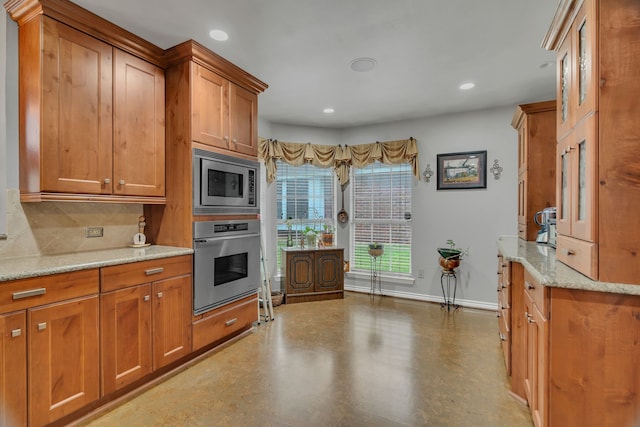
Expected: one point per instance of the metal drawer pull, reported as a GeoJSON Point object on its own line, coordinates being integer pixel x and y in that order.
{"type": "Point", "coordinates": [530, 320]}
{"type": "Point", "coordinates": [503, 337]}
{"type": "Point", "coordinates": [529, 285]}
{"type": "Point", "coordinates": [231, 322]}
{"type": "Point", "coordinates": [42, 326]}
{"type": "Point", "coordinates": [147, 298]}
{"type": "Point", "coordinates": [29, 293]}
{"type": "Point", "coordinates": [16, 333]}
{"type": "Point", "coordinates": [498, 314]}
{"type": "Point", "coordinates": [160, 294]}
{"type": "Point", "coordinates": [568, 252]}
{"type": "Point", "coordinates": [151, 271]}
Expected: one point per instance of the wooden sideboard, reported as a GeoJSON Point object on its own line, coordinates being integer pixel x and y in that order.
{"type": "Point", "coordinates": [313, 274]}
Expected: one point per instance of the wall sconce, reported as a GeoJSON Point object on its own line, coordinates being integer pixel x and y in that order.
{"type": "Point", "coordinates": [428, 173]}
{"type": "Point", "coordinates": [496, 169]}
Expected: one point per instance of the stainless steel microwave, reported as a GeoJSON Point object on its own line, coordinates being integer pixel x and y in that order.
{"type": "Point", "coordinates": [224, 184]}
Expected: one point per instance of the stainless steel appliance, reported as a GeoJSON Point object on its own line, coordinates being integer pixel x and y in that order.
{"type": "Point", "coordinates": [226, 263]}
{"type": "Point", "coordinates": [545, 218]}
{"type": "Point", "coordinates": [224, 184]}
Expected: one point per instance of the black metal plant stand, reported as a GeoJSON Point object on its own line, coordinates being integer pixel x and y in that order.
{"type": "Point", "coordinates": [375, 275]}
{"type": "Point", "coordinates": [449, 276]}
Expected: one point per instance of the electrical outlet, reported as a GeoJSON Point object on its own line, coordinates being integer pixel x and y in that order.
{"type": "Point", "coordinates": [421, 273]}
{"type": "Point", "coordinates": [94, 232]}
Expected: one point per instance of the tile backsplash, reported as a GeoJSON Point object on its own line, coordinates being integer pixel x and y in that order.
{"type": "Point", "coordinates": [46, 228]}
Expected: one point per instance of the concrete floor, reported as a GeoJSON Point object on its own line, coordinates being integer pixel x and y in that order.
{"type": "Point", "coordinates": [360, 361]}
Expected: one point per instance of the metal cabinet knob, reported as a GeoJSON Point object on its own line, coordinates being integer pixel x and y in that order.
{"type": "Point", "coordinates": [15, 333]}
{"type": "Point", "coordinates": [122, 182]}
{"type": "Point", "coordinates": [42, 326]}
{"type": "Point", "coordinates": [146, 298]}
{"type": "Point", "coordinates": [107, 181]}
{"type": "Point", "coordinates": [159, 294]}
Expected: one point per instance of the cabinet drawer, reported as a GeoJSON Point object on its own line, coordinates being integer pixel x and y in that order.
{"type": "Point", "coordinates": [136, 273]}
{"type": "Point", "coordinates": [504, 300]}
{"type": "Point", "coordinates": [538, 293]}
{"type": "Point", "coordinates": [225, 321]}
{"type": "Point", "coordinates": [32, 292]}
{"type": "Point", "coordinates": [578, 254]}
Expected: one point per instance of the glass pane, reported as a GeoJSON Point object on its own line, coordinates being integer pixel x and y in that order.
{"type": "Point", "coordinates": [582, 61]}
{"type": "Point", "coordinates": [565, 87]}
{"type": "Point", "coordinates": [564, 194]}
{"type": "Point", "coordinates": [381, 208]}
{"type": "Point", "coordinates": [582, 181]}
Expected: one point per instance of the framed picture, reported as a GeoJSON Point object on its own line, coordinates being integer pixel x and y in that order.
{"type": "Point", "coordinates": [457, 171]}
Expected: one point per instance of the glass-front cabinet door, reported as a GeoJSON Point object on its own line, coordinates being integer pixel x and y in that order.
{"type": "Point", "coordinates": [584, 175]}
{"type": "Point", "coordinates": [563, 194]}
{"type": "Point", "coordinates": [564, 113]}
{"type": "Point", "coordinates": [584, 44]}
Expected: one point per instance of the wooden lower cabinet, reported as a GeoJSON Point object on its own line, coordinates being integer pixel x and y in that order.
{"type": "Point", "coordinates": [13, 369]}
{"type": "Point", "coordinates": [144, 326]}
{"type": "Point", "coordinates": [313, 275]}
{"type": "Point", "coordinates": [224, 322]}
{"type": "Point", "coordinates": [64, 358]}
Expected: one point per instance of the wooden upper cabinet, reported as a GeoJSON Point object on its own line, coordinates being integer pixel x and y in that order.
{"type": "Point", "coordinates": [210, 109]}
{"type": "Point", "coordinates": [223, 114]}
{"type": "Point", "coordinates": [75, 143]}
{"type": "Point", "coordinates": [138, 148]}
{"type": "Point", "coordinates": [243, 121]}
{"type": "Point", "coordinates": [91, 116]}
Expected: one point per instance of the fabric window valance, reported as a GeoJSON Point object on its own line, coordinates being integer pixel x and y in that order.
{"type": "Point", "coordinates": [338, 157]}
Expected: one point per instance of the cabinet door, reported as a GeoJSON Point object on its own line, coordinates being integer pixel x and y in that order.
{"type": "Point", "coordinates": [522, 206]}
{"type": "Point", "coordinates": [531, 343]}
{"type": "Point", "coordinates": [243, 121]}
{"type": "Point", "coordinates": [64, 359]}
{"type": "Point", "coordinates": [583, 182]}
{"type": "Point", "coordinates": [522, 148]}
{"type": "Point", "coordinates": [13, 370]}
{"type": "Point", "coordinates": [564, 178]}
{"type": "Point", "coordinates": [300, 272]}
{"type": "Point", "coordinates": [584, 45]}
{"type": "Point", "coordinates": [172, 310]}
{"type": "Point", "coordinates": [210, 109]}
{"type": "Point", "coordinates": [126, 336]}
{"type": "Point", "coordinates": [77, 135]}
{"type": "Point", "coordinates": [564, 87]}
{"type": "Point", "coordinates": [540, 368]}
{"type": "Point", "coordinates": [328, 271]}
{"type": "Point", "coordinates": [138, 146]}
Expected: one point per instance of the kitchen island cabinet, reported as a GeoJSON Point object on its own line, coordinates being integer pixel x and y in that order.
{"type": "Point", "coordinates": [581, 338]}
{"type": "Point", "coordinates": [313, 274]}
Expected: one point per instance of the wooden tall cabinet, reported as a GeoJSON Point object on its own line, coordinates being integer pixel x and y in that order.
{"type": "Point", "coordinates": [91, 107]}
{"type": "Point", "coordinates": [313, 274]}
{"type": "Point", "coordinates": [597, 90]}
{"type": "Point", "coordinates": [211, 105]}
{"type": "Point", "coordinates": [536, 126]}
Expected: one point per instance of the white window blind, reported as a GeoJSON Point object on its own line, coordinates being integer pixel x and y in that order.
{"type": "Point", "coordinates": [305, 196]}
{"type": "Point", "coordinates": [381, 199]}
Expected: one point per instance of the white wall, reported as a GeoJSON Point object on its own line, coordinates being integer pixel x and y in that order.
{"type": "Point", "coordinates": [472, 218]}
{"type": "Point", "coordinates": [8, 112]}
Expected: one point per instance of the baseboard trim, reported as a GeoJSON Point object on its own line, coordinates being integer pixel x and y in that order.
{"type": "Point", "coordinates": [428, 298]}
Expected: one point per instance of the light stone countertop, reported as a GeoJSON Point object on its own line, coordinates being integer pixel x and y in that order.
{"type": "Point", "coordinates": [540, 261]}
{"type": "Point", "coordinates": [35, 266]}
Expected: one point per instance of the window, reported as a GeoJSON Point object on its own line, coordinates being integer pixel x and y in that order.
{"type": "Point", "coordinates": [305, 197]}
{"type": "Point", "coordinates": [381, 199]}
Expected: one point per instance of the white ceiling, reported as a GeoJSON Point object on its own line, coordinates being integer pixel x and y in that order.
{"type": "Point", "coordinates": [302, 49]}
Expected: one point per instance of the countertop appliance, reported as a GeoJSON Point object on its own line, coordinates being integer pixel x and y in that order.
{"type": "Point", "coordinates": [224, 185]}
{"type": "Point", "coordinates": [226, 262]}
{"type": "Point", "coordinates": [545, 218]}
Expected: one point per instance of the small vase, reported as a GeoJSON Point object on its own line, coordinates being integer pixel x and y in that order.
{"type": "Point", "coordinates": [289, 240]}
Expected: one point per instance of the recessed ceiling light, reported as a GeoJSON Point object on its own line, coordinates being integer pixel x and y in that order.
{"type": "Point", "coordinates": [328, 110]}
{"type": "Point", "coordinates": [363, 65]}
{"type": "Point", "coordinates": [467, 86]}
{"type": "Point", "coordinates": [218, 35]}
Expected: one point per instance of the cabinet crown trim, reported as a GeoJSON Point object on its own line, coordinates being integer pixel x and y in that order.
{"type": "Point", "coordinates": [83, 20]}
{"type": "Point", "coordinates": [191, 50]}
{"type": "Point", "coordinates": [562, 19]}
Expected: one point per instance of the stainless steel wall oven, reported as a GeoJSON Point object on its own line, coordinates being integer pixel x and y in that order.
{"type": "Point", "coordinates": [226, 262]}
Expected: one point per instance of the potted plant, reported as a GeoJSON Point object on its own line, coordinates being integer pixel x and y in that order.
{"type": "Point", "coordinates": [327, 235]}
{"type": "Point", "coordinates": [376, 249]}
{"type": "Point", "coordinates": [311, 235]}
{"type": "Point", "coordinates": [450, 257]}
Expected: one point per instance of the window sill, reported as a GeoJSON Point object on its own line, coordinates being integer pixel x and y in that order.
{"type": "Point", "coordinates": [384, 277]}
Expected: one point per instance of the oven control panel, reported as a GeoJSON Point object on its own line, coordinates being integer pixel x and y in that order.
{"type": "Point", "coordinates": [209, 229]}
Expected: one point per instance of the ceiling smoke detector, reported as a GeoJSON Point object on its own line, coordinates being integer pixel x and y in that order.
{"type": "Point", "coordinates": [362, 65]}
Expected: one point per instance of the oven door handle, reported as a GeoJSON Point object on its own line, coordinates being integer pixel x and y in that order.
{"type": "Point", "coordinates": [213, 240]}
